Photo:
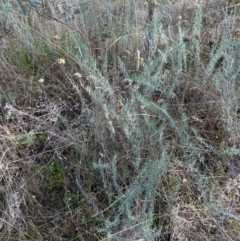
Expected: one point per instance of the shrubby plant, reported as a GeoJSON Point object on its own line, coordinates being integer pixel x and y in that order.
{"type": "Point", "coordinates": [119, 120]}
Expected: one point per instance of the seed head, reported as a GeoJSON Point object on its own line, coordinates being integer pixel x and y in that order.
{"type": "Point", "coordinates": [61, 61]}
{"type": "Point", "coordinates": [154, 3]}
{"type": "Point", "coordinates": [135, 87]}
{"type": "Point", "coordinates": [126, 83]}
{"type": "Point", "coordinates": [197, 36]}
{"type": "Point", "coordinates": [160, 101]}
{"type": "Point", "coordinates": [56, 38]}
{"type": "Point", "coordinates": [77, 75]}
{"type": "Point", "coordinates": [41, 80]}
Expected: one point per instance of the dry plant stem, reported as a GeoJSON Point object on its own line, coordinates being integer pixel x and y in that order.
{"type": "Point", "coordinates": [77, 30]}
{"type": "Point", "coordinates": [151, 9]}
{"type": "Point", "coordinates": [138, 59]}
{"type": "Point", "coordinates": [107, 154]}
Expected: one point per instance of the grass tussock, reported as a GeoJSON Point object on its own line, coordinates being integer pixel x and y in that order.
{"type": "Point", "coordinates": [119, 120]}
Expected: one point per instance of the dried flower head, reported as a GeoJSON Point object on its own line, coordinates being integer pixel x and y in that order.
{"type": "Point", "coordinates": [154, 3]}
{"type": "Point", "coordinates": [120, 106]}
{"type": "Point", "coordinates": [194, 117]}
{"type": "Point", "coordinates": [160, 101]}
{"type": "Point", "coordinates": [184, 180]}
{"type": "Point", "coordinates": [135, 87]}
{"type": "Point", "coordinates": [120, 109]}
{"type": "Point", "coordinates": [77, 75]}
{"type": "Point", "coordinates": [61, 61]}
{"type": "Point", "coordinates": [172, 96]}
{"type": "Point", "coordinates": [126, 83]}
{"type": "Point", "coordinates": [197, 36]}
{"type": "Point", "coordinates": [142, 107]}
{"type": "Point", "coordinates": [236, 34]}
{"type": "Point", "coordinates": [56, 38]}
{"type": "Point", "coordinates": [41, 80]}
{"type": "Point", "coordinates": [167, 72]}
{"type": "Point", "coordinates": [179, 18]}
{"type": "Point", "coordinates": [89, 77]}
{"type": "Point", "coordinates": [170, 49]}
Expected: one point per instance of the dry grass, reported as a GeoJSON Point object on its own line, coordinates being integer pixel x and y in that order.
{"type": "Point", "coordinates": [119, 121]}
